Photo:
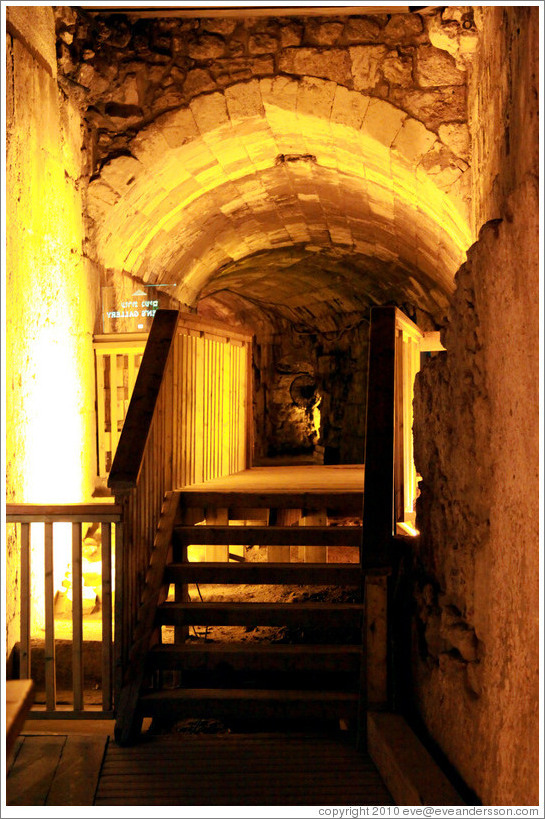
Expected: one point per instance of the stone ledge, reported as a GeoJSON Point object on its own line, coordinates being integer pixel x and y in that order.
{"type": "Point", "coordinates": [408, 770]}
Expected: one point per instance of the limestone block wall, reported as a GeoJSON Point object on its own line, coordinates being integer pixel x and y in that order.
{"type": "Point", "coordinates": [132, 71]}
{"type": "Point", "coordinates": [332, 425]}
{"type": "Point", "coordinates": [52, 289]}
{"type": "Point", "coordinates": [476, 445]}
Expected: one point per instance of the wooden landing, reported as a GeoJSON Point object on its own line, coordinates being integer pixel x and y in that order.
{"type": "Point", "coordinates": [239, 769]}
{"type": "Point", "coordinates": [301, 486]}
{"type": "Point", "coordinates": [298, 478]}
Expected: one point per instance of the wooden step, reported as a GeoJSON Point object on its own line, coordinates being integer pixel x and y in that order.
{"type": "Point", "coordinates": [338, 615]}
{"type": "Point", "coordinates": [306, 574]}
{"type": "Point", "coordinates": [270, 535]}
{"type": "Point", "coordinates": [337, 502]}
{"type": "Point", "coordinates": [252, 656]}
{"type": "Point", "coordinates": [248, 704]}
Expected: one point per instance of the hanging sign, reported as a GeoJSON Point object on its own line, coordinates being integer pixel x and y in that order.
{"type": "Point", "coordinates": [131, 313]}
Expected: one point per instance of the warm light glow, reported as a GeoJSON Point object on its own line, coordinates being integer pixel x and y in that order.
{"type": "Point", "coordinates": [54, 434]}
{"type": "Point", "coordinates": [232, 168]}
{"type": "Point", "coordinates": [407, 529]}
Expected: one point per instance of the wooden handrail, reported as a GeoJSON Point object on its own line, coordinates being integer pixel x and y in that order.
{"type": "Point", "coordinates": [132, 443]}
{"type": "Point", "coordinates": [63, 512]}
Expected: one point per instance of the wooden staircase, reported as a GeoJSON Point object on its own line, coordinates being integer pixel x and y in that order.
{"type": "Point", "coordinates": [309, 668]}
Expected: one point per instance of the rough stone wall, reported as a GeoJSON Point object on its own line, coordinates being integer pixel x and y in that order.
{"type": "Point", "coordinates": [130, 72]}
{"type": "Point", "coordinates": [504, 94]}
{"type": "Point", "coordinates": [476, 446]}
{"type": "Point", "coordinates": [336, 360]}
{"type": "Point", "coordinates": [52, 289]}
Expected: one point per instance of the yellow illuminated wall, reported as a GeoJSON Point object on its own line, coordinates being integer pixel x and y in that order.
{"type": "Point", "coordinates": [51, 294]}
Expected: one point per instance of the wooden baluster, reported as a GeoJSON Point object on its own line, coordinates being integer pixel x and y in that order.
{"type": "Point", "coordinates": [247, 414]}
{"type": "Point", "coordinates": [24, 664]}
{"type": "Point", "coordinates": [106, 616]}
{"type": "Point", "coordinates": [199, 442]}
{"type": "Point", "coordinates": [378, 509]}
{"type": "Point", "coordinates": [49, 655]}
{"type": "Point", "coordinates": [77, 618]}
{"type": "Point", "coordinates": [314, 554]}
{"type": "Point", "coordinates": [114, 414]}
{"type": "Point", "coordinates": [121, 628]}
{"type": "Point", "coordinates": [101, 420]}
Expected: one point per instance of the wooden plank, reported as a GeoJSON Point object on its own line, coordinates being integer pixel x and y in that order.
{"type": "Point", "coordinates": [226, 395]}
{"type": "Point", "coordinates": [101, 419]}
{"type": "Point", "coordinates": [77, 617]}
{"type": "Point", "coordinates": [12, 756]}
{"type": "Point", "coordinates": [409, 771]}
{"type": "Point", "coordinates": [25, 598]}
{"type": "Point", "coordinates": [19, 697]}
{"type": "Point", "coordinates": [378, 514]}
{"type": "Point", "coordinates": [152, 596]}
{"type": "Point", "coordinates": [106, 341]}
{"type": "Point", "coordinates": [176, 410]}
{"type": "Point", "coordinates": [376, 642]}
{"type": "Point", "coordinates": [107, 653]}
{"type": "Point", "coordinates": [49, 647]}
{"type": "Point", "coordinates": [257, 657]}
{"type": "Point", "coordinates": [215, 551]}
{"type": "Point", "coordinates": [215, 328]}
{"type": "Point", "coordinates": [342, 615]}
{"type": "Point", "coordinates": [317, 553]}
{"type": "Point", "coordinates": [120, 610]}
{"type": "Point", "coordinates": [281, 553]}
{"type": "Point", "coordinates": [130, 451]}
{"type": "Point", "coordinates": [233, 703]}
{"type": "Point", "coordinates": [199, 410]}
{"type": "Point", "coordinates": [399, 425]}
{"type": "Point", "coordinates": [250, 573]}
{"type": "Point", "coordinates": [115, 415]}
{"type": "Point", "coordinates": [349, 503]}
{"type": "Point", "coordinates": [77, 775]}
{"type": "Point", "coordinates": [32, 773]}
{"type": "Point", "coordinates": [68, 512]}
{"type": "Point", "coordinates": [318, 535]}
{"type": "Point", "coordinates": [247, 402]}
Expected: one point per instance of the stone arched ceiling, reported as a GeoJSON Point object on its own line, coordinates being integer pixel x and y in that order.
{"type": "Point", "coordinates": [242, 189]}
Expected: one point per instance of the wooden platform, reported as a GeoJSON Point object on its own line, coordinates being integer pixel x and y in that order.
{"type": "Point", "coordinates": [240, 769]}
{"type": "Point", "coordinates": [313, 487]}
{"type": "Point", "coordinates": [55, 769]}
{"type": "Point", "coordinates": [289, 479]}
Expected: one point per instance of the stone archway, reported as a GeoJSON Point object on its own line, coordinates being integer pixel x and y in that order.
{"type": "Point", "coordinates": [281, 163]}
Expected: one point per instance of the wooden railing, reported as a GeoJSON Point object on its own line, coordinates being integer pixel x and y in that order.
{"type": "Point", "coordinates": [188, 421]}
{"type": "Point", "coordinates": [24, 516]}
{"type": "Point", "coordinates": [391, 482]}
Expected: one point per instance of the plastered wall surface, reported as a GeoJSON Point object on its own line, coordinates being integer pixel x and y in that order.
{"type": "Point", "coordinates": [52, 289]}
{"type": "Point", "coordinates": [476, 446]}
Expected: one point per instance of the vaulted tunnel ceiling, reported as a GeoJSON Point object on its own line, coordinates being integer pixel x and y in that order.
{"type": "Point", "coordinates": [302, 195]}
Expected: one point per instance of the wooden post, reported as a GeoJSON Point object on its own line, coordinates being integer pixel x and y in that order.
{"type": "Point", "coordinates": [101, 424]}
{"type": "Point", "coordinates": [77, 618]}
{"type": "Point", "coordinates": [24, 663]}
{"type": "Point", "coordinates": [106, 616]}
{"type": "Point", "coordinates": [214, 553]}
{"type": "Point", "coordinates": [49, 649]}
{"type": "Point", "coordinates": [378, 508]}
{"type": "Point", "coordinates": [376, 640]}
{"type": "Point", "coordinates": [120, 608]}
{"type": "Point", "coordinates": [314, 554]}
